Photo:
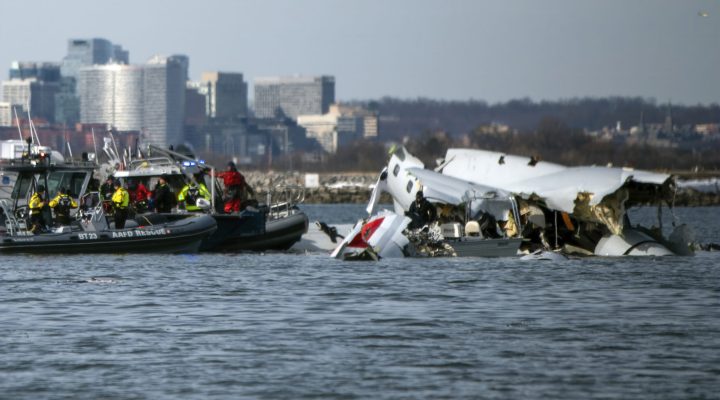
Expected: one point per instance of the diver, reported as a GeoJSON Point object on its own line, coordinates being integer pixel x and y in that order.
{"type": "Point", "coordinates": [121, 200]}
{"type": "Point", "coordinates": [488, 226]}
{"type": "Point", "coordinates": [62, 204]}
{"type": "Point", "coordinates": [421, 212]}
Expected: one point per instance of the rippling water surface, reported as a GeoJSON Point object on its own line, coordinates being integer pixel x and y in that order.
{"type": "Point", "coordinates": [305, 326]}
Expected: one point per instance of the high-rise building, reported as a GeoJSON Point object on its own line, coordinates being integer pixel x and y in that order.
{"type": "Point", "coordinates": [67, 103]}
{"type": "Point", "coordinates": [32, 95]}
{"type": "Point", "coordinates": [96, 51]}
{"type": "Point", "coordinates": [17, 92]}
{"type": "Point", "coordinates": [226, 94]}
{"type": "Point", "coordinates": [6, 114]}
{"type": "Point", "coordinates": [164, 100]}
{"type": "Point", "coordinates": [33, 84]}
{"type": "Point", "coordinates": [293, 96]}
{"type": "Point", "coordinates": [42, 71]}
{"type": "Point", "coordinates": [148, 98]}
{"type": "Point", "coordinates": [195, 104]}
{"type": "Point", "coordinates": [112, 94]}
{"type": "Point", "coordinates": [82, 53]}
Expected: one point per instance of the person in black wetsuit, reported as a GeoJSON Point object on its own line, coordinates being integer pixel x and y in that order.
{"type": "Point", "coordinates": [421, 211]}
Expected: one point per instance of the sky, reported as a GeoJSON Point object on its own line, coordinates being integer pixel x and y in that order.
{"type": "Point", "coordinates": [491, 50]}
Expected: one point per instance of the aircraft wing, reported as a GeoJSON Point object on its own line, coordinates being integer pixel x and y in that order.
{"type": "Point", "coordinates": [447, 189]}
{"type": "Point", "coordinates": [560, 189]}
{"type": "Point", "coordinates": [558, 185]}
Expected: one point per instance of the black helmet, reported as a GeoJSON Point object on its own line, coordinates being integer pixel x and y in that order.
{"type": "Point", "coordinates": [41, 188]}
{"type": "Point", "coordinates": [61, 189]}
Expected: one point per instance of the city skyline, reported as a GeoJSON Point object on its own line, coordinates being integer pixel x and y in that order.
{"type": "Point", "coordinates": [483, 50]}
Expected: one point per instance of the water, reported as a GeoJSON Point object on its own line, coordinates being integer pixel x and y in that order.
{"type": "Point", "coordinates": [293, 326]}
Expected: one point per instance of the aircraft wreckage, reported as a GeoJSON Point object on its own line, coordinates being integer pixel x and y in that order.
{"type": "Point", "coordinates": [492, 204]}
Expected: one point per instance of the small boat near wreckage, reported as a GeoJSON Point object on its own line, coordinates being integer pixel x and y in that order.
{"type": "Point", "coordinates": [90, 231]}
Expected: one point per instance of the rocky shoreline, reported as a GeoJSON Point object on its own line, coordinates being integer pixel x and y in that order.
{"type": "Point", "coordinates": [357, 187]}
{"type": "Point", "coordinates": [331, 188]}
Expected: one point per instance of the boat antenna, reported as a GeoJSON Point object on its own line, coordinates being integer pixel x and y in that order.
{"type": "Point", "coordinates": [67, 141]}
{"type": "Point", "coordinates": [117, 153]}
{"type": "Point", "coordinates": [32, 126]}
{"type": "Point", "coordinates": [212, 189]}
{"type": "Point", "coordinates": [17, 121]}
{"type": "Point", "coordinates": [94, 145]}
{"type": "Point", "coordinates": [33, 131]}
{"type": "Point", "coordinates": [137, 147]}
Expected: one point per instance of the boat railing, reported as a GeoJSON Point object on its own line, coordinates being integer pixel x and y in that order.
{"type": "Point", "coordinates": [15, 226]}
{"type": "Point", "coordinates": [282, 200]}
{"type": "Point", "coordinates": [92, 212]}
{"type": "Point", "coordinates": [151, 162]}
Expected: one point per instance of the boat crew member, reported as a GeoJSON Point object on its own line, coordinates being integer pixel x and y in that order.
{"type": "Point", "coordinates": [138, 196]}
{"type": "Point", "coordinates": [236, 188]}
{"type": "Point", "coordinates": [36, 205]}
{"type": "Point", "coordinates": [190, 193]}
{"type": "Point", "coordinates": [62, 204]}
{"type": "Point", "coordinates": [121, 200]}
{"type": "Point", "coordinates": [107, 189]}
{"type": "Point", "coordinates": [421, 211]}
{"type": "Point", "coordinates": [163, 197]}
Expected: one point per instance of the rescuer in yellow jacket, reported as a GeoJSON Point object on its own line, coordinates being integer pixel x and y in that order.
{"type": "Point", "coordinates": [190, 193]}
{"type": "Point", "coordinates": [62, 204]}
{"type": "Point", "coordinates": [37, 203]}
{"type": "Point", "coordinates": [120, 200]}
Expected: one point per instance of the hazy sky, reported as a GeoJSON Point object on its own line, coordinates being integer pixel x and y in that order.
{"type": "Point", "coordinates": [492, 50]}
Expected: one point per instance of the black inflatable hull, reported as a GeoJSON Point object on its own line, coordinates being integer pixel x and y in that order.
{"type": "Point", "coordinates": [181, 236]}
{"type": "Point", "coordinates": [250, 232]}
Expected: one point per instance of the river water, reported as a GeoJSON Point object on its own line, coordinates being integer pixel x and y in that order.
{"type": "Point", "coordinates": [292, 326]}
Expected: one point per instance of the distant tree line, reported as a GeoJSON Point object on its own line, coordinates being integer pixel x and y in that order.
{"type": "Point", "coordinates": [550, 130]}
{"type": "Point", "coordinates": [552, 140]}
{"type": "Point", "coordinates": [401, 118]}
{"type": "Point", "coordinates": [555, 141]}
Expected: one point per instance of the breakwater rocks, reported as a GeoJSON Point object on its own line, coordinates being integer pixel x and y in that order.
{"type": "Point", "coordinates": [318, 188]}
{"type": "Point", "coordinates": [357, 187]}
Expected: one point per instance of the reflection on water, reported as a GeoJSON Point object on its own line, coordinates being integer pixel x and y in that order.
{"type": "Point", "coordinates": [306, 326]}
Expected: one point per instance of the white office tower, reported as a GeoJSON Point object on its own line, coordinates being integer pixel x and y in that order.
{"type": "Point", "coordinates": [146, 98]}
{"type": "Point", "coordinates": [164, 98]}
{"type": "Point", "coordinates": [112, 94]}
